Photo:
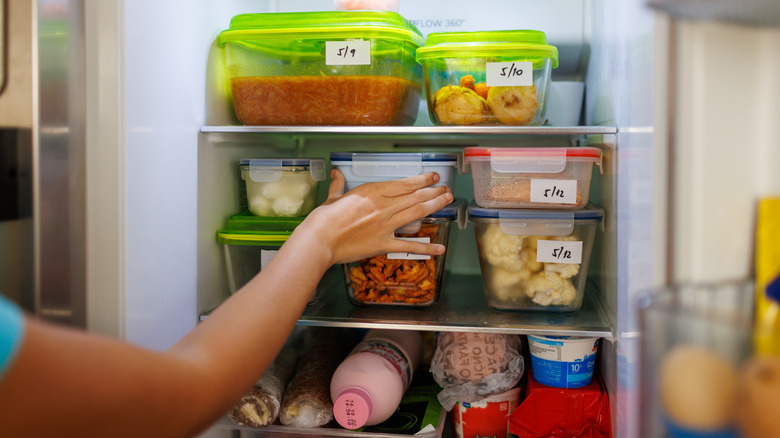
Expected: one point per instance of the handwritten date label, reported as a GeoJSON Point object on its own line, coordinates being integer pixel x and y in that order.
{"type": "Point", "coordinates": [409, 255]}
{"type": "Point", "coordinates": [555, 251]}
{"type": "Point", "coordinates": [554, 191]}
{"type": "Point", "coordinates": [509, 74]}
{"type": "Point", "coordinates": [355, 52]}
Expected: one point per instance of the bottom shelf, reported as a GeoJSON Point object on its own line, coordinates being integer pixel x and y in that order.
{"type": "Point", "coordinates": [461, 307]}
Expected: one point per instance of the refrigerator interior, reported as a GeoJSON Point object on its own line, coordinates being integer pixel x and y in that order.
{"type": "Point", "coordinates": [175, 172]}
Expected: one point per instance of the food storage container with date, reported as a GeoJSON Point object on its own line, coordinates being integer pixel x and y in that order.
{"type": "Point", "coordinates": [404, 279]}
{"type": "Point", "coordinates": [491, 77]}
{"type": "Point", "coordinates": [534, 260]}
{"type": "Point", "coordinates": [363, 167]}
{"type": "Point", "coordinates": [533, 177]}
{"type": "Point", "coordinates": [285, 187]}
{"type": "Point", "coordinates": [249, 242]}
{"type": "Point", "coordinates": [323, 68]}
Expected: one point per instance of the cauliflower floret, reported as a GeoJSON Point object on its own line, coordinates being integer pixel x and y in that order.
{"type": "Point", "coordinates": [532, 241]}
{"type": "Point", "coordinates": [528, 257]}
{"type": "Point", "coordinates": [549, 289]}
{"type": "Point", "coordinates": [501, 249]}
{"type": "Point", "coordinates": [565, 270]}
{"type": "Point", "coordinates": [507, 286]}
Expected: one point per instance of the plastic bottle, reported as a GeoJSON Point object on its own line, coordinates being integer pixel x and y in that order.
{"type": "Point", "coordinates": [367, 386]}
{"type": "Point", "coordinates": [767, 319]}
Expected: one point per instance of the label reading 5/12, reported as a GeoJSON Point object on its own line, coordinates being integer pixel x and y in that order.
{"type": "Point", "coordinates": [556, 251]}
{"type": "Point", "coordinates": [554, 191]}
{"type": "Point", "coordinates": [509, 74]}
{"type": "Point", "coordinates": [353, 52]}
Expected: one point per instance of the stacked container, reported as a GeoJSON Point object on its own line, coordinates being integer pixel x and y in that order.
{"type": "Point", "coordinates": [323, 68]}
{"type": "Point", "coordinates": [284, 187]}
{"type": "Point", "coordinates": [533, 226]}
{"type": "Point", "coordinates": [400, 280]}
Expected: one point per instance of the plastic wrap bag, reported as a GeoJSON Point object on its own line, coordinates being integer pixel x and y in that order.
{"type": "Point", "coordinates": [473, 366]}
{"type": "Point", "coordinates": [260, 406]}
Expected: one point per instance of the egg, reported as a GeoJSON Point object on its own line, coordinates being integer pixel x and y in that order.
{"type": "Point", "coordinates": [697, 388]}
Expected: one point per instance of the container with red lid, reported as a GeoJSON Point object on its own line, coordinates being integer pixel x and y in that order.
{"type": "Point", "coordinates": [537, 177]}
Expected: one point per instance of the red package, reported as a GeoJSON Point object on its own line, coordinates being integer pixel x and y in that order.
{"type": "Point", "coordinates": [549, 412]}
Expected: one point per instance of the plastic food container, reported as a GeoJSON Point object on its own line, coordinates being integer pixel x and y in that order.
{"type": "Point", "coordinates": [323, 68]}
{"type": "Point", "coordinates": [403, 279]}
{"type": "Point", "coordinates": [488, 417]}
{"type": "Point", "coordinates": [359, 168]}
{"type": "Point", "coordinates": [250, 242]}
{"type": "Point", "coordinates": [563, 361]}
{"type": "Point", "coordinates": [556, 178]}
{"type": "Point", "coordinates": [487, 77]}
{"type": "Point", "coordinates": [285, 187]}
{"type": "Point", "coordinates": [534, 260]}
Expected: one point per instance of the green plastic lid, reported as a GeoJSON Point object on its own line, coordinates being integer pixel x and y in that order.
{"type": "Point", "coordinates": [525, 43]}
{"type": "Point", "coordinates": [321, 24]}
{"type": "Point", "coordinates": [247, 229]}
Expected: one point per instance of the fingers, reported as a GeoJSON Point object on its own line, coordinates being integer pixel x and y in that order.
{"type": "Point", "coordinates": [421, 209]}
{"type": "Point", "coordinates": [336, 188]}
{"type": "Point", "coordinates": [410, 247]}
{"type": "Point", "coordinates": [410, 184]}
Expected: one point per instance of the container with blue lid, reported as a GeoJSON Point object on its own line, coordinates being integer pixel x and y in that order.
{"type": "Point", "coordinates": [363, 167]}
{"type": "Point", "coordinates": [534, 260]}
{"type": "Point", "coordinates": [282, 187]}
{"type": "Point", "coordinates": [404, 279]}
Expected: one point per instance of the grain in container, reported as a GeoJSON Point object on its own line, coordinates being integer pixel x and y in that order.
{"type": "Point", "coordinates": [531, 177]}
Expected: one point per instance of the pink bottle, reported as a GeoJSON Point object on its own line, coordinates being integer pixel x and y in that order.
{"type": "Point", "coordinates": [367, 386]}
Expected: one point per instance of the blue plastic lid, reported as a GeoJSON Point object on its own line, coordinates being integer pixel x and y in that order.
{"type": "Point", "coordinates": [284, 162]}
{"type": "Point", "coordinates": [425, 157]}
{"type": "Point", "coordinates": [590, 212]}
{"type": "Point", "coordinates": [450, 211]}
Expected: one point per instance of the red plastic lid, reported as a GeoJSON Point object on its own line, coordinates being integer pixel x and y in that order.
{"type": "Point", "coordinates": [575, 152]}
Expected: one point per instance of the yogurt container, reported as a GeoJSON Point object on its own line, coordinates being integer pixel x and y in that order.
{"type": "Point", "coordinates": [488, 417]}
{"type": "Point", "coordinates": [563, 361]}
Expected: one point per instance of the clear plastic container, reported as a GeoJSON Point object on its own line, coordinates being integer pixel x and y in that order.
{"type": "Point", "coordinates": [534, 260]}
{"type": "Point", "coordinates": [552, 178]}
{"type": "Point", "coordinates": [402, 279]}
{"type": "Point", "coordinates": [323, 68]}
{"type": "Point", "coordinates": [285, 187]}
{"type": "Point", "coordinates": [249, 242]}
{"type": "Point", "coordinates": [363, 167]}
{"type": "Point", "coordinates": [487, 77]}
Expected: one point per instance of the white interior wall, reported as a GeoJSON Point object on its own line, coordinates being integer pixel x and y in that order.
{"type": "Point", "coordinates": [725, 151]}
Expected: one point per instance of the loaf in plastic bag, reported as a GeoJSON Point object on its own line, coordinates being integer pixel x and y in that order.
{"type": "Point", "coordinates": [472, 366]}
{"type": "Point", "coordinates": [261, 405]}
{"type": "Point", "coordinates": [307, 400]}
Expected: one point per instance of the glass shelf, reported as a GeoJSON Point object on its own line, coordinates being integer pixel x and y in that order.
{"type": "Point", "coordinates": [461, 307]}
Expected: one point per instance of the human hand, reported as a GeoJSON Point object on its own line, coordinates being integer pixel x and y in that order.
{"type": "Point", "coordinates": [361, 223]}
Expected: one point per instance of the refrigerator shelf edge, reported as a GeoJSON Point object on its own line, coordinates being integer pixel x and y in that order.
{"type": "Point", "coordinates": [462, 307]}
{"type": "Point", "coordinates": [415, 131]}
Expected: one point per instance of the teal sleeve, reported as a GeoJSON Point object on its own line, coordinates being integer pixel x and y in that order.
{"type": "Point", "coordinates": [11, 332]}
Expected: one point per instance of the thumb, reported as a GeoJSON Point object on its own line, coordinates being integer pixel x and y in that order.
{"type": "Point", "coordinates": [336, 188]}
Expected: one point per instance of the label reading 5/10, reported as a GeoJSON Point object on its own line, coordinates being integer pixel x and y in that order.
{"type": "Point", "coordinates": [409, 255]}
{"type": "Point", "coordinates": [354, 52]}
{"type": "Point", "coordinates": [509, 74]}
{"type": "Point", "coordinates": [556, 251]}
{"type": "Point", "coordinates": [554, 191]}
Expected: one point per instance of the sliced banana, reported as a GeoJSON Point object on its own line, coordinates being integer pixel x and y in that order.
{"type": "Point", "coordinates": [513, 105]}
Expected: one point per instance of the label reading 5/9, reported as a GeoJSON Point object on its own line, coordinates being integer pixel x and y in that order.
{"type": "Point", "coordinates": [557, 251]}
{"type": "Point", "coordinates": [353, 52]}
{"type": "Point", "coordinates": [509, 74]}
{"type": "Point", "coordinates": [554, 191]}
{"type": "Point", "coordinates": [409, 255]}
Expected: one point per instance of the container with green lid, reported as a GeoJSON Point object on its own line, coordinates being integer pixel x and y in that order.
{"type": "Point", "coordinates": [249, 242]}
{"type": "Point", "coordinates": [323, 68]}
{"type": "Point", "coordinates": [492, 77]}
